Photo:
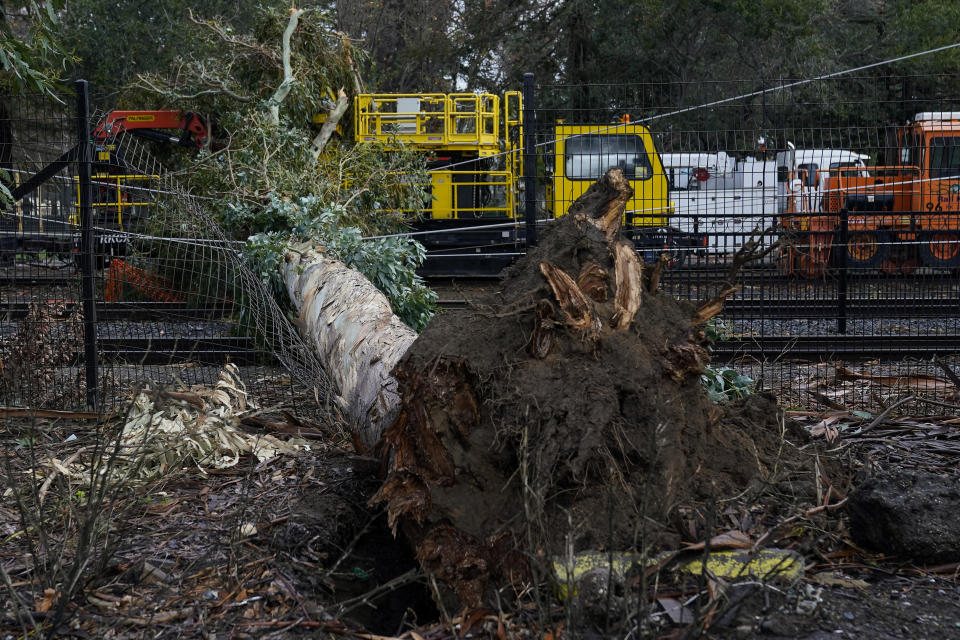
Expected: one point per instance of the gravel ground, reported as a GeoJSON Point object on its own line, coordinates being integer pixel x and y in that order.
{"type": "Point", "coordinates": [744, 328]}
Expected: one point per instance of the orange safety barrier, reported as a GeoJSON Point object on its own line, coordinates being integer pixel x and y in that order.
{"type": "Point", "coordinates": [150, 285]}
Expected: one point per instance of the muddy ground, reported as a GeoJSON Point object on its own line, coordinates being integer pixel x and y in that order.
{"type": "Point", "coordinates": [288, 547]}
{"type": "Point", "coordinates": [319, 563]}
{"type": "Point", "coordinates": [528, 439]}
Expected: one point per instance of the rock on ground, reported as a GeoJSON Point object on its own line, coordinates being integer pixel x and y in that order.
{"type": "Point", "coordinates": [908, 513]}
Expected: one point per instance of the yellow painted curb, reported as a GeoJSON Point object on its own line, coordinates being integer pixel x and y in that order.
{"type": "Point", "coordinates": [766, 564]}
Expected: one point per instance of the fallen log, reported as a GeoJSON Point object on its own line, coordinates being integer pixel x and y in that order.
{"type": "Point", "coordinates": [352, 328]}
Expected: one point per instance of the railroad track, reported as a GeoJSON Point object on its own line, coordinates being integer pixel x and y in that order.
{"type": "Point", "coordinates": [486, 266]}
{"type": "Point", "coordinates": [754, 309]}
{"type": "Point", "coordinates": [818, 348]}
{"type": "Point", "coordinates": [826, 348]}
{"type": "Point", "coordinates": [133, 311]}
{"type": "Point", "coordinates": [163, 350]}
{"type": "Point", "coordinates": [26, 279]}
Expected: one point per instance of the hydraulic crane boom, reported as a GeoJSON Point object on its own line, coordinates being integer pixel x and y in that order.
{"type": "Point", "coordinates": [148, 124]}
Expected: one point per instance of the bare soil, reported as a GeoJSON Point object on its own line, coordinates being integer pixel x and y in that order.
{"type": "Point", "coordinates": [607, 442]}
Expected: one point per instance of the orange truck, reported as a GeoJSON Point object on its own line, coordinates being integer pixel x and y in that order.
{"type": "Point", "coordinates": [898, 217]}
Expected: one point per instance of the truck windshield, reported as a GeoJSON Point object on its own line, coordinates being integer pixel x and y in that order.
{"type": "Point", "coordinates": [944, 157]}
{"type": "Point", "coordinates": [589, 156]}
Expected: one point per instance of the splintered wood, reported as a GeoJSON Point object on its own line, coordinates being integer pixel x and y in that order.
{"type": "Point", "coordinates": [602, 204]}
{"type": "Point", "coordinates": [713, 306]}
{"type": "Point", "coordinates": [573, 303]}
{"type": "Point", "coordinates": [628, 274]}
{"type": "Point", "coordinates": [593, 282]}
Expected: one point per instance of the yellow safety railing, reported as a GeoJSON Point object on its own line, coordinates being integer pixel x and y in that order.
{"type": "Point", "coordinates": [467, 194]}
{"type": "Point", "coordinates": [440, 120]}
{"type": "Point", "coordinates": [471, 194]}
{"type": "Point", "coordinates": [513, 130]}
{"type": "Point", "coordinates": [120, 198]}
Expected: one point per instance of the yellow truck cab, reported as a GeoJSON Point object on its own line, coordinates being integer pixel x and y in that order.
{"type": "Point", "coordinates": [583, 153]}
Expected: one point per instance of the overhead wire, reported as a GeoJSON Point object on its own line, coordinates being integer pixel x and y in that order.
{"type": "Point", "coordinates": [714, 103]}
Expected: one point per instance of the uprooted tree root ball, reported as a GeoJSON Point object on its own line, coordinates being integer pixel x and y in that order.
{"type": "Point", "coordinates": [563, 412]}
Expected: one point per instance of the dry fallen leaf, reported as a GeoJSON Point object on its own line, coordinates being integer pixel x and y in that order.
{"type": "Point", "coordinates": [49, 595]}
{"type": "Point", "coordinates": [919, 382]}
{"type": "Point", "coordinates": [732, 539]}
{"type": "Point", "coordinates": [829, 579]}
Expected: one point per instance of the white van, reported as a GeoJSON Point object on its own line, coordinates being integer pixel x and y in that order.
{"type": "Point", "coordinates": [722, 197]}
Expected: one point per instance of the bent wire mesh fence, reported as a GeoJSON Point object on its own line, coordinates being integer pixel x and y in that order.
{"type": "Point", "coordinates": [169, 298]}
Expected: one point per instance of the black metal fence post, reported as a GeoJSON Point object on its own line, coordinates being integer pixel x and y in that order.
{"type": "Point", "coordinates": [842, 281]}
{"type": "Point", "coordinates": [529, 160]}
{"type": "Point", "coordinates": [87, 243]}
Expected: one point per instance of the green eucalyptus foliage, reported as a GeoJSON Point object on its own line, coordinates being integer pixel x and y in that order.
{"type": "Point", "coordinates": [723, 383]}
{"type": "Point", "coordinates": [726, 383]}
{"type": "Point", "coordinates": [31, 56]}
{"type": "Point", "coordinates": [389, 263]}
{"type": "Point", "coordinates": [267, 187]}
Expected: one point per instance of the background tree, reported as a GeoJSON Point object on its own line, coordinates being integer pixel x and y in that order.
{"type": "Point", "coordinates": [114, 41]}
{"type": "Point", "coordinates": [31, 60]}
{"type": "Point", "coordinates": [31, 56]}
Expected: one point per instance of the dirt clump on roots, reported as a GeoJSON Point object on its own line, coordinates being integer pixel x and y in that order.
{"type": "Point", "coordinates": [564, 412]}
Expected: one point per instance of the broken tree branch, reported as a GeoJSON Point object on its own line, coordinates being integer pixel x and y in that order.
{"type": "Point", "coordinates": [629, 274]}
{"type": "Point", "coordinates": [880, 419]}
{"type": "Point", "coordinates": [657, 273]}
{"type": "Point", "coordinates": [333, 119]}
{"type": "Point", "coordinates": [281, 93]}
{"type": "Point", "coordinates": [603, 204]}
{"type": "Point", "coordinates": [751, 251]}
{"type": "Point", "coordinates": [574, 305]}
{"type": "Point", "coordinates": [713, 306]}
{"type": "Point", "coordinates": [348, 51]}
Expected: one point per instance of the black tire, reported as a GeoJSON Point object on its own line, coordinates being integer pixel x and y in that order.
{"type": "Point", "coordinates": [865, 249]}
{"type": "Point", "coordinates": [940, 249]}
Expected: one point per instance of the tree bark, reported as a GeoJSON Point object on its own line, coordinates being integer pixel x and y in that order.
{"type": "Point", "coordinates": [333, 119]}
{"type": "Point", "coordinates": [353, 329]}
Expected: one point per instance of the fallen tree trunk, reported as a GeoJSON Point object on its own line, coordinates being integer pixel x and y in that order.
{"type": "Point", "coordinates": [353, 329]}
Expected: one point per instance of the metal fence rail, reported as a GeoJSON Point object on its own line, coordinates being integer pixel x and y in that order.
{"type": "Point", "coordinates": [847, 190]}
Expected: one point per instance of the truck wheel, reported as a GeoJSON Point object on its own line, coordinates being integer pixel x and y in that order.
{"type": "Point", "coordinates": [940, 249]}
{"type": "Point", "coordinates": [867, 249]}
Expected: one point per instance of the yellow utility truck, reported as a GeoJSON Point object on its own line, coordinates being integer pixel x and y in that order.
{"type": "Point", "coordinates": [476, 166]}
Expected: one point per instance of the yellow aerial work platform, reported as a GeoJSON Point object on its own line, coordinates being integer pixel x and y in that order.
{"type": "Point", "coordinates": [467, 122]}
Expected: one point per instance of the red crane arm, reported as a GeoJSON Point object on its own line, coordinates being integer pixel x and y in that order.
{"type": "Point", "coordinates": [194, 130]}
